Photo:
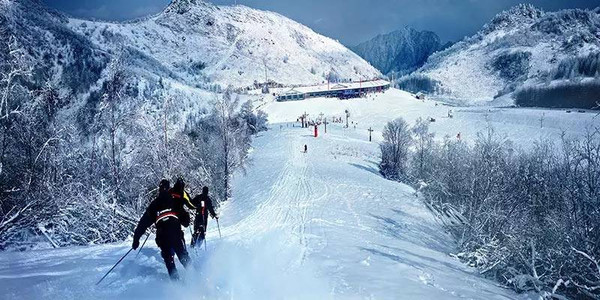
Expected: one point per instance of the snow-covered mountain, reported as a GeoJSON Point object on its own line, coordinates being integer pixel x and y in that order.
{"type": "Point", "coordinates": [401, 51]}
{"type": "Point", "coordinates": [56, 54]}
{"type": "Point", "coordinates": [230, 45]}
{"type": "Point", "coordinates": [519, 47]}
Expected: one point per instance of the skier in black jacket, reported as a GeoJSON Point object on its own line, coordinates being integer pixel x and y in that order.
{"type": "Point", "coordinates": [168, 215]}
{"type": "Point", "coordinates": [204, 207]}
{"type": "Point", "coordinates": [178, 193]}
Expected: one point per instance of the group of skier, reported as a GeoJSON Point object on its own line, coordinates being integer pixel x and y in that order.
{"type": "Point", "coordinates": [168, 214]}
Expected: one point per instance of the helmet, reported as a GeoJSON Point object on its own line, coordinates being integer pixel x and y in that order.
{"type": "Point", "coordinates": [164, 185]}
{"type": "Point", "coordinates": [179, 185]}
{"type": "Point", "coordinates": [205, 190]}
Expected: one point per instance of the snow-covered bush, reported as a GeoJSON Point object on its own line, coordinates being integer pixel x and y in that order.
{"type": "Point", "coordinates": [525, 218]}
{"type": "Point", "coordinates": [416, 83]}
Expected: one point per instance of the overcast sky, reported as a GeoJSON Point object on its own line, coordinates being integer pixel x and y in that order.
{"type": "Point", "coordinates": [350, 21]}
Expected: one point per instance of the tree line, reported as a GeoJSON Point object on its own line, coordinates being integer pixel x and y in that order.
{"type": "Point", "coordinates": [527, 218]}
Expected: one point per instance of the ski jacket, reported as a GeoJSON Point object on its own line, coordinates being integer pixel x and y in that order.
{"type": "Point", "coordinates": [168, 215]}
{"type": "Point", "coordinates": [204, 206]}
{"type": "Point", "coordinates": [183, 197]}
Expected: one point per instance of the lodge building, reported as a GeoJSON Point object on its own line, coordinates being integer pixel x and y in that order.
{"type": "Point", "coordinates": [335, 90]}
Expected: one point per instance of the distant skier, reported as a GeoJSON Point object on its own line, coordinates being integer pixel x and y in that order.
{"type": "Point", "coordinates": [168, 215]}
{"type": "Point", "coordinates": [204, 207]}
{"type": "Point", "coordinates": [305, 148]}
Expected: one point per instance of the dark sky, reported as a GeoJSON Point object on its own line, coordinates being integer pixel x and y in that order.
{"type": "Point", "coordinates": [350, 21]}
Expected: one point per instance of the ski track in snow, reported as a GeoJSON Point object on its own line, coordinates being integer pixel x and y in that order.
{"type": "Point", "coordinates": [316, 225]}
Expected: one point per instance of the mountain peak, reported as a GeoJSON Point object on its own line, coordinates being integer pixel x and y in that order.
{"type": "Point", "coordinates": [519, 14]}
{"type": "Point", "coordinates": [183, 6]}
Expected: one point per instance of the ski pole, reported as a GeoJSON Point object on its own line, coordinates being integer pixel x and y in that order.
{"type": "Point", "coordinates": [144, 243]}
{"type": "Point", "coordinates": [114, 266]}
{"type": "Point", "coordinates": [218, 226]}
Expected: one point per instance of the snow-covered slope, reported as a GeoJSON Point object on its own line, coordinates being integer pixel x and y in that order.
{"type": "Point", "coordinates": [319, 225]}
{"type": "Point", "coordinates": [401, 51]}
{"type": "Point", "coordinates": [230, 45]}
{"type": "Point", "coordinates": [521, 46]}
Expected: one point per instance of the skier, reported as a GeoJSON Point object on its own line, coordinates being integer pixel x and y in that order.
{"type": "Point", "coordinates": [204, 207]}
{"type": "Point", "coordinates": [305, 148]}
{"type": "Point", "coordinates": [178, 193]}
{"type": "Point", "coordinates": [168, 215]}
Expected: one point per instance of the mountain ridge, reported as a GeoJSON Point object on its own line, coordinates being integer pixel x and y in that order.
{"type": "Point", "coordinates": [231, 45]}
{"type": "Point", "coordinates": [519, 47]}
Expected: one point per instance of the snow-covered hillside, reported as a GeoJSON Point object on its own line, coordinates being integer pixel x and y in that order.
{"type": "Point", "coordinates": [521, 46]}
{"type": "Point", "coordinates": [401, 51]}
{"type": "Point", "coordinates": [230, 45]}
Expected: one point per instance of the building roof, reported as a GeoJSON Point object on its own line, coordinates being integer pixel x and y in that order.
{"type": "Point", "coordinates": [291, 91]}
{"type": "Point", "coordinates": [335, 87]}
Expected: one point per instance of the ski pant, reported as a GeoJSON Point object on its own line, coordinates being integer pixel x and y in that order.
{"type": "Point", "coordinates": [169, 246]}
{"type": "Point", "coordinates": [199, 235]}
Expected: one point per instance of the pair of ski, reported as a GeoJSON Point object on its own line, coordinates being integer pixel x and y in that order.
{"type": "Point", "coordinates": [144, 243]}
{"type": "Point", "coordinates": [195, 240]}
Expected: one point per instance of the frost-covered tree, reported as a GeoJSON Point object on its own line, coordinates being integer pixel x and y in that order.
{"type": "Point", "coordinates": [225, 135]}
{"type": "Point", "coordinates": [422, 160]}
{"type": "Point", "coordinates": [397, 139]}
{"type": "Point", "coordinates": [255, 121]}
{"type": "Point", "coordinates": [113, 116]}
{"type": "Point", "coordinates": [231, 133]}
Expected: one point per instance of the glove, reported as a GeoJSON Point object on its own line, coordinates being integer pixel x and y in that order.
{"type": "Point", "coordinates": [136, 244]}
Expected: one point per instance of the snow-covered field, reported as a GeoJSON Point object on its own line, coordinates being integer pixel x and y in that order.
{"type": "Point", "coordinates": [521, 125]}
{"type": "Point", "coordinates": [316, 225]}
